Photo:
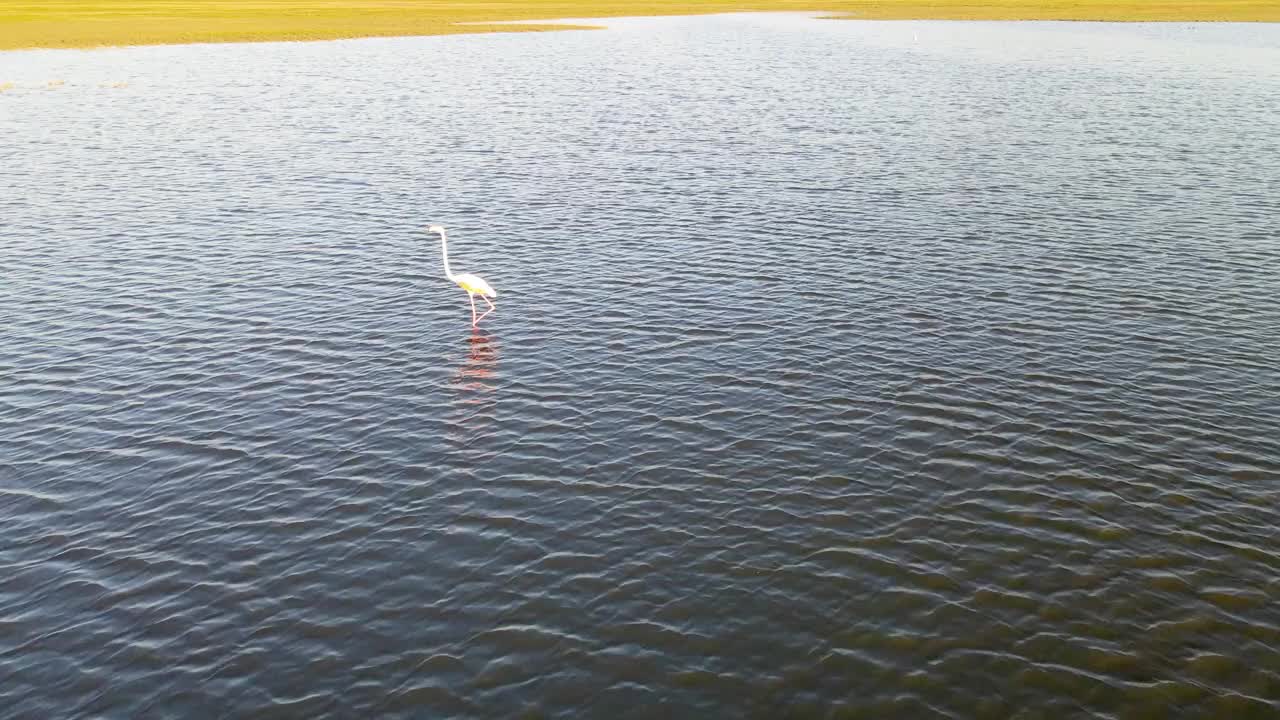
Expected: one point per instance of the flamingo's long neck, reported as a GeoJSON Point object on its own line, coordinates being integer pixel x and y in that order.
{"type": "Point", "coordinates": [444, 252]}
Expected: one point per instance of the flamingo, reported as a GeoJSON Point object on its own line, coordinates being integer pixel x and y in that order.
{"type": "Point", "coordinates": [473, 284]}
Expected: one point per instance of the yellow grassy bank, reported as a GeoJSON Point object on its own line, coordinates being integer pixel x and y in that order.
{"type": "Point", "coordinates": [88, 23]}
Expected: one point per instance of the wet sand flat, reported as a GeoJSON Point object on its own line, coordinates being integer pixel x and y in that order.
{"type": "Point", "coordinates": [29, 24]}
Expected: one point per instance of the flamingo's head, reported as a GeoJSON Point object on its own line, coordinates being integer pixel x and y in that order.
{"type": "Point", "coordinates": [435, 229]}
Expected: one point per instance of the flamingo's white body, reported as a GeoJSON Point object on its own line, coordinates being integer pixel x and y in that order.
{"type": "Point", "coordinates": [473, 284]}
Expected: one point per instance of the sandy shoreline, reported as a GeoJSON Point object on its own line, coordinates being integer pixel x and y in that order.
{"type": "Point", "coordinates": [26, 24]}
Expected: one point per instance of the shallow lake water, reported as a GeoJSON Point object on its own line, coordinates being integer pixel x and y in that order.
{"type": "Point", "coordinates": [856, 369]}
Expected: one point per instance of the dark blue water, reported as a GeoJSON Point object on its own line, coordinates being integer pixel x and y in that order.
{"type": "Point", "coordinates": [840, 369]}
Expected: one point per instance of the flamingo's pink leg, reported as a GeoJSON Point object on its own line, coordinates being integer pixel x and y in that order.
{"type": "Point", "coordinates": [492, 307]}
{"type": "Point", "coordinates": [472, 299]}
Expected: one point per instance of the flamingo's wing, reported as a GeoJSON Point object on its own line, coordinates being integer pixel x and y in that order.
{"type": "Point", "coordinates": [475, 284]}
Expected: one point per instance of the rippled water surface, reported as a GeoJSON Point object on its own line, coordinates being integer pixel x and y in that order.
{"type": "Point", "coordinates": [887, 370]}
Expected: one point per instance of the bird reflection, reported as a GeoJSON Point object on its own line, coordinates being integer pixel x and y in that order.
{"type": "Point", "coordinates": [474, 384]}
{"type": "Point", "coordinates": [477, 371]}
